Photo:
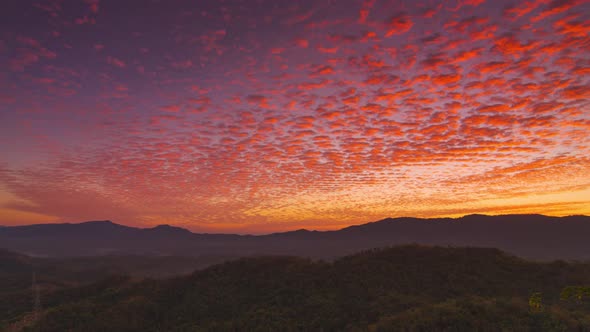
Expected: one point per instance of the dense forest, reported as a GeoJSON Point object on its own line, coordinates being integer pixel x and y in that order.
{"type": "Point", "coordinates": [406, 288]}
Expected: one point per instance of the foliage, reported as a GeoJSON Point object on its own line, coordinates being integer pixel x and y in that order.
{"type": "Point", "coordinates": [536, 302]}
{"type": "Point", "coordinates": [408, 288]}
{"type": "Point", "coordinates": [576, 293]}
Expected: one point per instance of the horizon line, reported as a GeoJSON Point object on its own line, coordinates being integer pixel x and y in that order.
{"type": "Point", "coordinates": [295, 229]}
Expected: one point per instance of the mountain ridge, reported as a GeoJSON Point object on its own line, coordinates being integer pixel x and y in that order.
{"type": "Point", "coordinates": [527, 235]}
{"type": "Point", "coordinates": [386, 219]}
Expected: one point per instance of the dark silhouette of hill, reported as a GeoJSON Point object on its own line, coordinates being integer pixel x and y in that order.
{"type": "Point", "coordinates": [530, 236]}
{"type": "Point", "coordinates": [407, 288]}
{"type": "Point", "coordinates": [52, 274]}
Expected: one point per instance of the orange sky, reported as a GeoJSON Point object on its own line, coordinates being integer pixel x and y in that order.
{"type": "Point", "coordinates": [266, 116]}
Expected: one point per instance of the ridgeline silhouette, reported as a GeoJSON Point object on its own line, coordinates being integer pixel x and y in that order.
{"type": "Point", "coordinates": [530, 236]}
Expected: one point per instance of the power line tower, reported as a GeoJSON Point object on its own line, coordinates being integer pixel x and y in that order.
{"type": "Point", "coordinates": [36, 298]}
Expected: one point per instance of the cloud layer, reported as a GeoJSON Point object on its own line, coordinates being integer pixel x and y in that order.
{"type": "Point", "coordinates": [257, 117]}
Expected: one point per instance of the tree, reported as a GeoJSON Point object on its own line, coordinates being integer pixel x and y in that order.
{"type": "Point", "coordinates": [536, 302]}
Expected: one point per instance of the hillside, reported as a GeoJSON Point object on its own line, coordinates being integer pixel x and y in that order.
{"type": "Point", "coordinates": [53, 274]}
{"type": "Point", "coordinates": [410, 288]}
{"type": "Point", "coordinates": [529, 236]}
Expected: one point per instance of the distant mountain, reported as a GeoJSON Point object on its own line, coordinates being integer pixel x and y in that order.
{"type": "Point", "coordinates": [530, 236]}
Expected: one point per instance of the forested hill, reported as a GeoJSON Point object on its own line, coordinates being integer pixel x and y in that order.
{"type": "Point", "coordinates": [529, 236]}
{"type": "Point", "coordinates": [408, 288]}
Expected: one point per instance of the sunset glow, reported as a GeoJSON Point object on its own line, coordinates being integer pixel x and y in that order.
{"type": "Point", "coordinates": [260, 116]}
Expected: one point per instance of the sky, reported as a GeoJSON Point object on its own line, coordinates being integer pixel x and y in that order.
{"type": "Point", "coordinates": [258, 116]}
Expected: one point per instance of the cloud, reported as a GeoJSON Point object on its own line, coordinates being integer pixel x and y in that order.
{"type": "Point", "coordinates": [323, 118]}
{"type": "Point", "coordinates": [323, 70]}
{"type": "Point", "coordinates": [577, 92]}
{"type": "Point", "coordinates": [556, 7]}
{"type": "Point", "coordinates": [301, 42]}
{"type": "Point", "coordinates": [258, 100]}
{"type": "Point", "coordinates": [398, 24]}
{"type": "Point", "coordinates": [522, 8]}
{"type": "Point", "coordinates": [93, 5]}
{"type": "Point", "coordinates": [509, 45]}
{"type": "Point", "coordinates": [331, 50]}
{"type": "Point", "coordinates": [30, 52]}
{"type": "Point", "coordinates": [446, 79]}
{"type": "Point", "coordinates": [116, 62]}
{"type": "Point", "coordinates": [365, 10]}
{"type": "Point", "coordinates": [172, 108]}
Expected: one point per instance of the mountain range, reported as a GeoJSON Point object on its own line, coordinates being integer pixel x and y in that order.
{"type": "Point", "coordinates": [536, 237]}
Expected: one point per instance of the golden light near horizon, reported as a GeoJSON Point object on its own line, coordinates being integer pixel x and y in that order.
{"type": "Point", "coordinates": [347, 112]}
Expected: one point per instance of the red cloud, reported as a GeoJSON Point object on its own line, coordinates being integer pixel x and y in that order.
{"type": "Point", "coordinates": [259, 100]}
{"type": "Point", "coordinates": [313, 85]}
{"type": "Point", "coordinates": [23, 60]}
{"type": "Point", "coordinates": [429, 13]}
{"type": "Point", "coordinates": [398, 24]}
{"type": "Point", "coordinates": [250, 134]}
{"type": "Point", "coordinates": [93, 5]}
{"type": "Point", "coordinates": [172, 108]}
{"type": "Point", "coordinates": [33, 53]}
{"type": "Point", "coordinates": [434, 61]}
{"type": "Point", "coordinates": [523, 8]}
{"type": "Point", "coordinates": [116, 62]}
{"type": "Point", "coordinates": [328, 50]}
{"type": "Point", "coordinates": [463, 3]}
{"type": "Point", "coordinates": [324, 70]}
{"type": "Point", "coordinates": [572, 27]}
{"type": "Point", "coordinates": [556, 7]}
{"type": "Point", "coordinates": [577, 92]}
{"type": "Point", "coordinates": [467, 55]}
{"type": "Point", "coordinates": [364, 11]}
{"type": "Point", "coordinates": [509, 45]}
{"type": "Point", "coordinates": [446, 79]}
{"type": "Point", "coordinates": [494, 108]}
{"type": "Point", "coordinates": [491, 67]}
{"type": "Point", "coordinates": [466, 24]}
{"type": "Point", "coordinates": [304, 43]}
{"type": "Point", "coordinates": [473, 2]}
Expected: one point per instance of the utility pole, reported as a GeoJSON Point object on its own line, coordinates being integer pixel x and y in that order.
{"type": "Point", "coordinates": [36, 298]}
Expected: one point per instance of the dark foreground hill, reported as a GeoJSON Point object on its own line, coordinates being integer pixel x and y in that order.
{"type": "Point", "coordinates": [530, 236]}
{"type": "Point", "coordinates": [53, 274]}
{"type": "Point", "coordinates": [408, 288]}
